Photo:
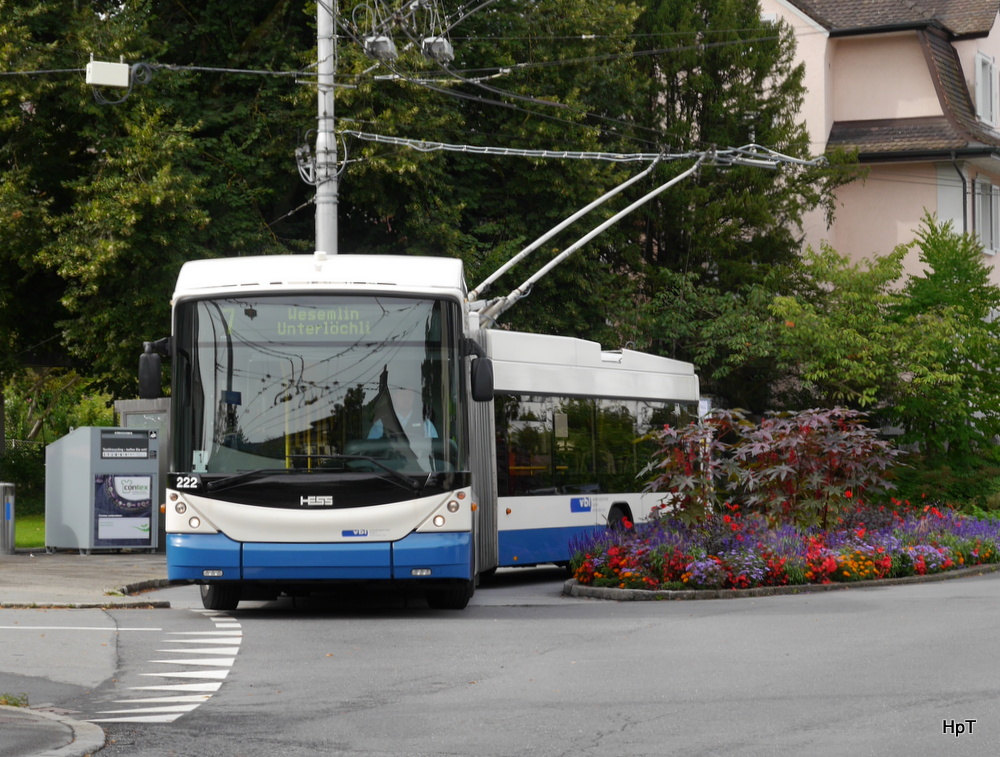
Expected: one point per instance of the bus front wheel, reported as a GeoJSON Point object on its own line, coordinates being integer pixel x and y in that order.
{"type": "Point", "coordinates": [452, 598]}
{"type": "Point", "coordinates": [221, 596]}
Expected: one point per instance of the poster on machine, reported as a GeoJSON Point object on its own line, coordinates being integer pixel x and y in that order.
{"type": "Point", "coordinates": [123, 510]}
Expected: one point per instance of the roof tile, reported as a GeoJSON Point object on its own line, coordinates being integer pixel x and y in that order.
{"type": "Point", "coordinates": [959, 128]}
{"type": "Point", "coordinates": [958, 17]}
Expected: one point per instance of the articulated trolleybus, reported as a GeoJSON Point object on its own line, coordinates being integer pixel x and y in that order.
{"type": "Point", "coordinates": [345, 419]}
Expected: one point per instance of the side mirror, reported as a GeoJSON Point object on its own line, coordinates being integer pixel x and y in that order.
{"type": "Point", "coordinates": [150, 376]}
{"type": "Point", "coordinates": [481, 378]}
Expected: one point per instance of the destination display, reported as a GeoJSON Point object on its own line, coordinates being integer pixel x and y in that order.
{"type": "Point", "coordinates": [319, 319]}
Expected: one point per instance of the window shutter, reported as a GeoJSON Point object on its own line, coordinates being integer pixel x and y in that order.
{"type": "Point", "coordinates": [994, 218]}
{"type": "Point", "coordinates": [986, 89]}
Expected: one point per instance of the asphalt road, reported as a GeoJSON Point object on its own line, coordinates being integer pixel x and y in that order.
{"type": "Point", "coordinates": [526, 671]}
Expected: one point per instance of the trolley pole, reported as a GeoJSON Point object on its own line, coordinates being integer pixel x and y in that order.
{"type": "Point", "coordinates": [326, 140]}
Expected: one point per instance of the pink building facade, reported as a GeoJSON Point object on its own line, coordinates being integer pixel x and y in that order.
{"type": "Point", "coordinates": [913, 86]}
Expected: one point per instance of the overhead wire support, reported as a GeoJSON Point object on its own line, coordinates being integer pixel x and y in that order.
{"type": "Point", "coordinates": [422, 145]}
{"type": "Point", "coordinates": [474, 294]}
{"type": "Point", "coordinates": [496, 308]}
{"type": "Point", "coordinates": [325, 175]}
{"type": "Point", "coordinates": [750, 155]}
{"type": "Point", "coordinates": [747, 155]}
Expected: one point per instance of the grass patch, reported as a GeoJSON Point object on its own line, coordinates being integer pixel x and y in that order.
{"type": "Point", "coordinates": [14, 700]}
{"type": "Point", "coordinates": [29, 531]}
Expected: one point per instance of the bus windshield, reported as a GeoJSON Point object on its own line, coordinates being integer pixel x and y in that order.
{"type": "Point", "coordinates": [317, 382]}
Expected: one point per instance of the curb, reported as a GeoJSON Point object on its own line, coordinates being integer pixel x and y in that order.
{"type": "Point", "coordinates": [574, 588]}
{"type": "Point", "coordinates": [113, 603]}
{"type": "Point", "coordinates": [87, 737]}
{"type": "Point", "coordinates": [138, 605]}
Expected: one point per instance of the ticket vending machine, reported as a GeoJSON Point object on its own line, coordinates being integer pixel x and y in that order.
{"type": "Point", "coordinates": [101, 489]}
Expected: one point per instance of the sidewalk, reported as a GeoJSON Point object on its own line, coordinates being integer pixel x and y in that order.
{"type": "Point", "coordinates": [67, 579]}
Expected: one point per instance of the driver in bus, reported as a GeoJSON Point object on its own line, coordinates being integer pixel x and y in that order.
{"type": "Point", "coordinates": [404, 402]}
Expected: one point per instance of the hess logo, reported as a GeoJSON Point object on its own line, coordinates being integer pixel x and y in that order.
{"type": "Point", "coordinates": [316, 501]}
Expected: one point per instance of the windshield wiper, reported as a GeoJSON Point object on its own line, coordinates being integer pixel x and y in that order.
{"type": "Point", "coordinates": [411, 482]}
{"type": "Point", "coordinates": [241, 478]}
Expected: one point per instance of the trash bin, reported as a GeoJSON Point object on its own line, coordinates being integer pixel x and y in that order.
{"type": "Point", "coordinates": [6, 519]}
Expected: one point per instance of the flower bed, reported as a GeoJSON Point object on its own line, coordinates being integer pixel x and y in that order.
{"type": "Point", "coordinates": [737, 550]}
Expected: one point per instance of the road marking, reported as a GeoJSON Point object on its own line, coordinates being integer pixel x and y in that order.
{"type": "Point", "coordinates": [74, 628]}
{"type": "Point", "coordinates": [142, 719]}
{"type": "Point", "coordinates": [207, 674]}
{"type": "Point", "coordinates": [209, 633]}
{"type": "Point", "coordinates": [164, 700]}
{"type": "Point", "coordinates": [223, 644]}
{"type": "Point", "coordinates": [213, 661]}
{"type": "Point", "coordinates": [213, 687]}
{"type": "Point", "coordinates": [228, 639]}
{"type": "Point", "coordinates": [181, 708]}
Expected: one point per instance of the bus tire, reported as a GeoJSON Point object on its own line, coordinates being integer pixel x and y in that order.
{"type": "Point", "coordinates": [617, 514]}
{"type": "Point", "coordinates": [452, 598]}
{"type": "Point", "coordinates": [221, 596]}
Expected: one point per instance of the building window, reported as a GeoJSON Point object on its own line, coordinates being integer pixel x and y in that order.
{"type": "Point", "coordinates": [986, 212]}
{"type": "Point", "coordinates": [986, 89]}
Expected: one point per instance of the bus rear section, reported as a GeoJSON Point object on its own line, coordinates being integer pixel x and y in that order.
{"type": "Point", "coordinates": [570, 440]}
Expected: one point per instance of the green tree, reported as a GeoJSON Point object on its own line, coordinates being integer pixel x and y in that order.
{"type": "Point", "coordinates": [958, 414]}
{"type": "Point", "coordinates": [102, 202]}
{"type": "Point", "coordinates": [724, 77]}
{"type": "Point", "coordinates": [44, 405]}
{"type": "Point", "coordinates": [843, 341]}
{"type": "Point", "coordinates": [556, 75]}
{"type": "Point", "coordinates": [731, 336]}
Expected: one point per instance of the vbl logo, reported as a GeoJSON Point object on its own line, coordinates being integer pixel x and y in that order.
{"type": "Point", "coordinates": [581, 505]}
{"type": "Point", "coordinates": [355, 532]}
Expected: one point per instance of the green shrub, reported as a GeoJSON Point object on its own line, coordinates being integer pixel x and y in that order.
{"type": "Point", "coordinates": [970, 483]}
{"type": "Point", "coordinates": [24, 466]}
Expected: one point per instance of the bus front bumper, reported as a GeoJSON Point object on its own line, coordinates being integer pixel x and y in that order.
{"type": "Point", "coordinates": [418, 556]}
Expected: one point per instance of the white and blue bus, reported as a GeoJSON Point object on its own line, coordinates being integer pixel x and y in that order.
{"type": "Point", "coordinates": [345, 419]}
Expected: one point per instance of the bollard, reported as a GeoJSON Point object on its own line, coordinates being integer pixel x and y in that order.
{"type": "Point", "coordinates": [6, 519]}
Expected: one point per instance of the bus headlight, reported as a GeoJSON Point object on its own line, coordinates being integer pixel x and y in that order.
{"type": "Point", "coordinates": [180, 508]}
{"type": "Point", "coordinates": [453, 506]}
{"type": "Point", "coordinates": [195, 522]}
{"type": "Point", "coordinates": [439, 520]}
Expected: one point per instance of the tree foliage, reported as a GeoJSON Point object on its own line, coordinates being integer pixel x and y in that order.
{"type": "Point", "coordinates": [547, 87]}
{"type": "Point", "coordinates": [841, 341]}
{"type": "Point", "coordinates": [730, 335]}
{"type": "Point", "coordinates": [919, 352]}
{"type": "Point", "coordinates": [102, 203]}
{"type": "Point", "coordinates": [724, 77]}
{"type": "Point", "coordinates": [103, 196]}
{"type": "Point", "coordinates": [957, 411]}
